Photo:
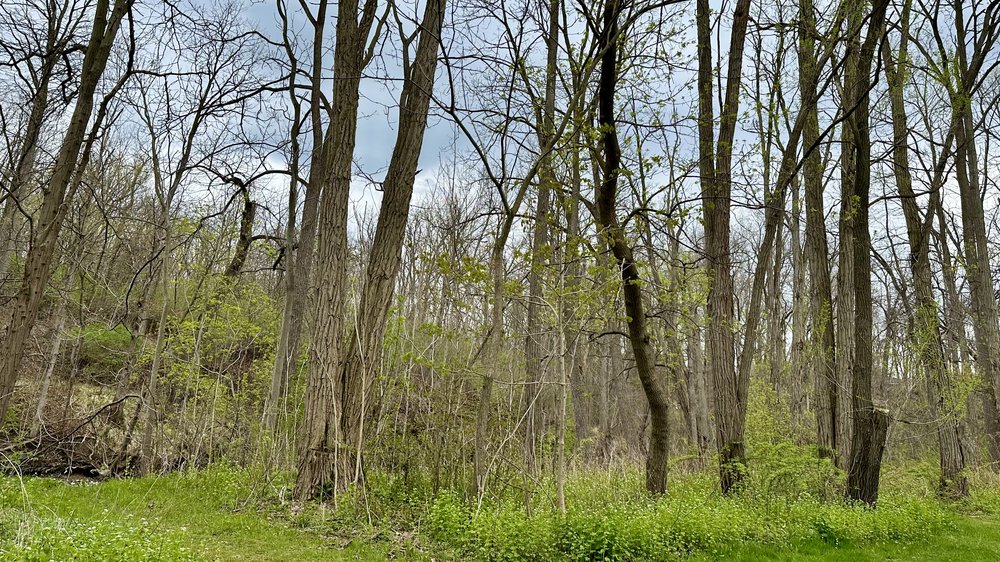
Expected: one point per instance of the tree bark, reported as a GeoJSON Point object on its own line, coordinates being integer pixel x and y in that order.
{"type": "Point", "coordinates": [607, 218]}
{"type": "Point", "coordinates": [926, 331]}
{"type": "Point", "coordinates": [870, 425]}
{"type": "Point", "coordinates": [800, 312]}
{"type": "Point", "coordinates": [53, 211]}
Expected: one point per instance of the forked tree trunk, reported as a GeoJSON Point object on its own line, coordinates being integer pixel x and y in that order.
{"type": "Point", "coordinates": [870, 425]}
{"type": "Point", "coordinates": [365, 348]}
{"type": "Point", "coordinates": [715, 161]}
{"type": "Point", "coordinates": [107, 20]}
{"type": "Point", "coordinates": [926, 331]}
{"type": "Point", "coordinates": [344, 364]}
{"type": "Point", "coordinates": [323, 456]}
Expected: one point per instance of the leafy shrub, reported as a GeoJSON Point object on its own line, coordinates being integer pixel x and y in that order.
{"type": "Point", "coordinates": [104, 351]}
{"type": "Point", "coordinates": [448, 519]}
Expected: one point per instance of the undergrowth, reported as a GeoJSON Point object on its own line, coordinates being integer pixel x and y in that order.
{"type": "Point", "coordinates": [788, 498]}
{"type": "Point", "coordinates": [692, 518]}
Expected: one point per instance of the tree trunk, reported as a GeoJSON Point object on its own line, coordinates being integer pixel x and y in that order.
{"type": "Point", "coordinates": [149, 417]}
{"type": "Point", "coordinates": [244, 237]}
{"type": "Point", "coordinates": [299, 251]}
{"type": "Point", "coordinates": [716, 178]}
{"type": "Point", "coordinates": [607, 218]}
{"type": "Point", "coordinates": [539, 250]}
{"type": "Point", "coordinates": [24, 163]}
{"type": "Point", "coordinates": [53, 211]}
{"type": "Point", "coordinates": [364, 346]}
{"type": "Point", "coordinates": [926, 333]}
{"type": "Point", "coordinates": [342, 370]}
{"type": "Point", "coordinates": [776, 314]}
{"type": "Point", "coordinates": [323, 456]}
{"type": "Point", "coordinates": [870, 425]}
{"type": "Point", "coordinates": [975, 238]}
{"type": "Point", "coordinates": [797, 355]}
{"type": "Point", "coordinates": [823, 354]}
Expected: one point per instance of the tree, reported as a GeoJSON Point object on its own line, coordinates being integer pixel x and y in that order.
{"type": "Point", "coordinates": [358, 353]}
{"type": "Point", "coordinates": [323, 457]}
{"type": "Point", "coordinates": [926, 332]}
{"type": "Point", "coordinates": [869, 425]}
{"type": "Point", "coordinates": [107, 21]}
{"type": "Point", "coordinates": [817, 255]}
{"type": "Point", "coordinates": [715, 164]}
{"type": "Point", "coordinates": [611, 229]}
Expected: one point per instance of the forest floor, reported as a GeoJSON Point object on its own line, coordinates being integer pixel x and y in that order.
{"type": "Point", "coordinates": [974, 539]}
{"type": "Point", "coordinates": [196, 517]}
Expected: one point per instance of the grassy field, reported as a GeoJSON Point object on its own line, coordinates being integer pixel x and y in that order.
{"type": "Point", "coordinates": [214, 516]}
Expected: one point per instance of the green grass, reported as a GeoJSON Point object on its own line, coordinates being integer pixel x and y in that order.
{"type": "Point", "coordinates": [219, 514]}
{"type": "Point", "coordinates": [973, 539]}
{"type": "Point", "coordinates": [200, 513]}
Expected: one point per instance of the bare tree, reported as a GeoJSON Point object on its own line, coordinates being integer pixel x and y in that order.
{"type": "Point", "coordinates": [107, 21]}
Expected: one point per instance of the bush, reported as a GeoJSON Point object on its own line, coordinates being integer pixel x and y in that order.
{"type": "Point", "coordinates": [104, 351]}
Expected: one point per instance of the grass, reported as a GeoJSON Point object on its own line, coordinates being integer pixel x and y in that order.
{"type": "Point", "coordinates": [219, 514]}
{"type": "Point", "coordinates": [973, 539]}
{"type": "Point", "coordinates": [202, 514]}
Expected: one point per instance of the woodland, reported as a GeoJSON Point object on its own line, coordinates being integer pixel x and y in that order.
{"type": "Point", "coordinates": [499, 280]}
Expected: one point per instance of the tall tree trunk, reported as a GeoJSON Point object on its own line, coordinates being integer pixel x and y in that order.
{"type": "Point", "coordinates": [24, 162]}
{"type": "Point", "coordinates": [716, 178]}
{"type": "Point", "coordinates": [870, 425]}
{"type": "Point", "coordinates": [364, 345]}
{"type": "Point", "coordinates": [37, 267]}
{"type": "Point", "coordinates": [492, 350]}
{"type": "Point", "coordinates": [846, 313]}
{"type": "Point", "coordinates": [974, 236]}
{"type": "Point", "coordinates": [323, 456]}
{"type": "Point", "coordinates": [697, 384]}
{"type": "Point", "coordinates": [539, 250]}
{"type": "Point", "coordinates": [607, 218]}
{"type": "Point", "coordinates": [926, 333]}
{"type": "Point", "coordinates": [776, 314]}
{"type": "Point", "coordinates": [800, 311]}
{"type": "Point", "coordinates": [299, 249]}
{"type": "Point", "coordinates": [148, 404]}
{"type": "Point", "coordinates": [955, 313]}
{"type": "Point", "coordinates": [823, 354]}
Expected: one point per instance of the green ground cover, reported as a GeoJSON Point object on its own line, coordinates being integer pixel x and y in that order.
{"type": "Point", "coordinates": [229, 514]}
